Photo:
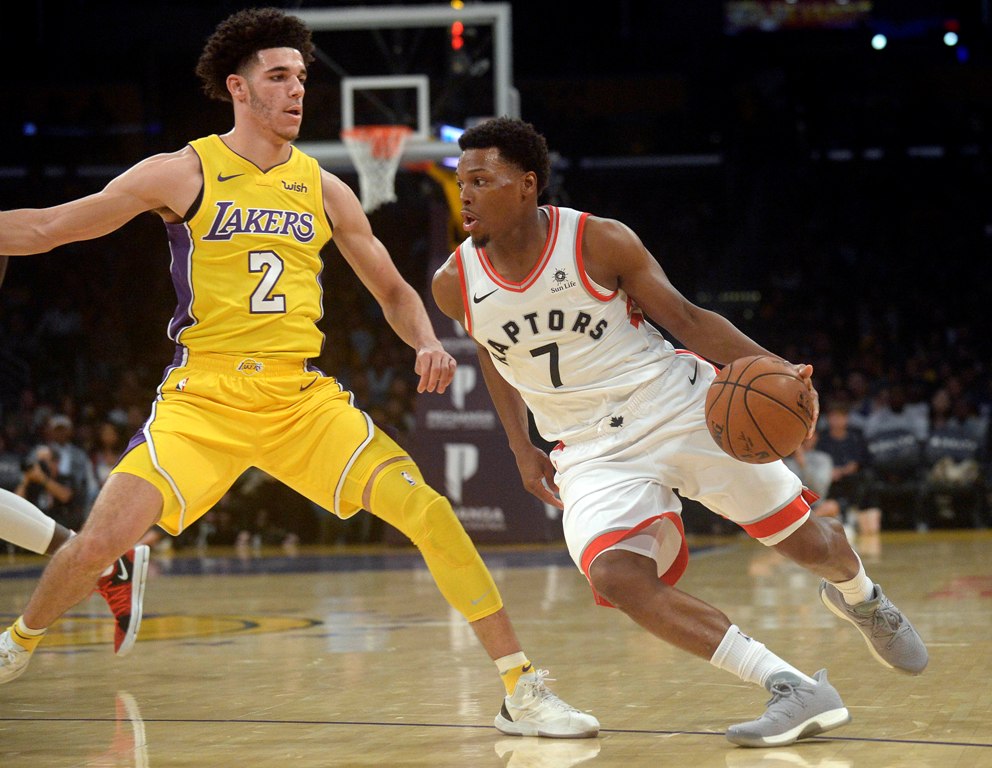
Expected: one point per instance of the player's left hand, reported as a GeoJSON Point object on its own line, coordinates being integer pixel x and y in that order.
{"type": "Point", "coordinates": [436, 369]}
{"type": "Point", "coordinates": [805, 372]}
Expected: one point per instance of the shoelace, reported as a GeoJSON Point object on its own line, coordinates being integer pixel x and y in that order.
{"type": "Point", "coordinates": [886, 620]}
{"type": "Point", "coordinates": [785, 690]}
{"type": "Point", "coordinates": [545, 694]}
{"type": "Point", "coordinates": [9, 650]}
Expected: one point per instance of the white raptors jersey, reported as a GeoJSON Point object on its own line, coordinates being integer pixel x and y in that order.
{"type": "Point", "coordinates": [574, 350]}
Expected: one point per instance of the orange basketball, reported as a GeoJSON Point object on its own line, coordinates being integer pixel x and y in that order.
{"type": "Point", "coordinates": [758, 410]}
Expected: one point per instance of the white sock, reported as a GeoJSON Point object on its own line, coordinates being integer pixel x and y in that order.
{"type": "Point", "coordinates": [750, 660]}
{"type": "Point", "coordinates": [23, 524]}
{"type": "Point", "coordinates": [505, 663]}
{"type": "Point", "coordinates": [858, 589]}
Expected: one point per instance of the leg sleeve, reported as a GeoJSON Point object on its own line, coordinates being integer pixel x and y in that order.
{"type": "Point", "coordinates": [401, 498]}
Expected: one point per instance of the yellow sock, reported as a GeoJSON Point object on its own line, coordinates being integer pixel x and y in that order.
{"type": "Point", "coordinates": [25, 637]}
{"type": "Point", "coordinates": [512, 667]}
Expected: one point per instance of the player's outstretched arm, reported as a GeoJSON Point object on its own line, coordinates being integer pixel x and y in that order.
{"type": "Point", "coordinates": [158, 183]}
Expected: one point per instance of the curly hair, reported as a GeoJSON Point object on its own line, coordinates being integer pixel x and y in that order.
{"type": "Point", "coordinates": [239, 37]}
{"type": "Point", "coordinates": [518, 143]}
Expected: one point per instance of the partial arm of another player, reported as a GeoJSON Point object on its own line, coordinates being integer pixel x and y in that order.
{"type": "Point", "coordinates": [536, 470]}
{"type": "Point", "coordinates": [401, 304]}
{"type": "Point", "coordinates": [615, 257]}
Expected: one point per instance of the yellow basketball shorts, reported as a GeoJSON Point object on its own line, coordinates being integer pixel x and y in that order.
{"type": "Point", "coordinates": [217, 415]}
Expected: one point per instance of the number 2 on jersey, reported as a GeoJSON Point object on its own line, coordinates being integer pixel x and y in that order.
{"type": "Point", "coordinates": [263, 300]}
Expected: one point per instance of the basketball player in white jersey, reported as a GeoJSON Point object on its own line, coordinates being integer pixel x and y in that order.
{"type": "Point", "coordinates": [246, 215]}
{"type": "Point", "coordinates": [556, 301]}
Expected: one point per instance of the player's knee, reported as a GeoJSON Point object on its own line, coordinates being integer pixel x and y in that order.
{"type": "Point", "coordinates": [94, 551]}
{"type": "Point", "coordinates": [444, 535]}
{"type": "Point", "coordinates": [621, 578]}
{"type": "Point", "coordinates": [422, 514]}
{"type": "Point", "coordinates": [815, 542]}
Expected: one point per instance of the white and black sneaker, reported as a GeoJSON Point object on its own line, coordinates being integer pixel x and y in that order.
{"type": "Point", "coordinates": [533, 710]}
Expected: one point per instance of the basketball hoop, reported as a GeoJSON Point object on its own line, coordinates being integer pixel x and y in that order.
{"type": "Point", "coordinates": [375, 150]}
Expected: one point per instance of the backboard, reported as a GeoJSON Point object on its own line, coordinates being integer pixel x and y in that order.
{"type": "Point", "coordinates": [418, 78]}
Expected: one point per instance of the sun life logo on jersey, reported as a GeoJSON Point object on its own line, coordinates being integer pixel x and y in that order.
{"type": "Point", "coordinates": [562, 281]}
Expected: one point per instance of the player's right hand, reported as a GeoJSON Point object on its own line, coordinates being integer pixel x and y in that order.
{"type": "Point", "coordinates": [538, 475]}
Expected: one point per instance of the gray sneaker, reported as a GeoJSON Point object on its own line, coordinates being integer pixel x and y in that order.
{"type": "Point", "coordinates": [796, 710]}
{"type": "Point", "coordinates": [889, 635]}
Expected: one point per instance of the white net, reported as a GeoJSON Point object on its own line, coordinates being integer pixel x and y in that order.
{"type": "Point", "coordinates": [375, 150]}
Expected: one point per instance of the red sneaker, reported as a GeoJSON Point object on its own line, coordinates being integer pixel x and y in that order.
{"type": "Point", "coordinates": [124, 591]}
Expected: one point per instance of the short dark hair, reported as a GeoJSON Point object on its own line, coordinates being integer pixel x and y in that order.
{"type": "Point", "coordinates": [240, 36]}
{"type": "Point", "coordinates": [518, 143]}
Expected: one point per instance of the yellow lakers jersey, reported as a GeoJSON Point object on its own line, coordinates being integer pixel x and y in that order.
{"type": "Point", "coordinates": [246, 261]}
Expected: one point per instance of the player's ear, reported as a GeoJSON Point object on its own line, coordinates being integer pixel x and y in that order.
{"type": "Point", "coordinates": [528, 184]}
{"type": "Point", "coordinates": [237, 87]}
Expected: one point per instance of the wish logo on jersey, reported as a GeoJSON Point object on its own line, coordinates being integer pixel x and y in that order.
{"type": "Point", "coordinates": [231, 220]}
{"type": "Point", "coordinates": [535, 323]}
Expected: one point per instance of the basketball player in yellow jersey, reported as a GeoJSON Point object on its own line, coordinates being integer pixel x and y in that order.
{"type": "Point", "coordinates": [247, 215]}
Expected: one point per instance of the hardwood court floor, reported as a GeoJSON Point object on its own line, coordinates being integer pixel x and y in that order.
{"type": "Point", "coordinates": [351, 658]}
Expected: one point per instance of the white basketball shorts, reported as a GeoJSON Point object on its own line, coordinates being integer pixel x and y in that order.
{"type": "Point", "coordinates": [618, 479]}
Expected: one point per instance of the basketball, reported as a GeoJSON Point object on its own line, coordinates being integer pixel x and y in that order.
{"type": "Point", "coordinates": [758, 410]}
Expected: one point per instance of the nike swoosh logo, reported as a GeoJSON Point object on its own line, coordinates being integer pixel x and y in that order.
{"type": "Point", "coordinates": [302, 388]}
{"type": "Point", "coordinates": [476, 298]}
{"type": "Point", "coordinates": [695, 372]}
{"type": "Point", "coordinates": [476, 602]}
{"type": "Point", "coordinates": [122, 575]}
{"type": "Point", "coordinates": [221, 177]}
{"type": "Point", "coordinates": [526, 668]}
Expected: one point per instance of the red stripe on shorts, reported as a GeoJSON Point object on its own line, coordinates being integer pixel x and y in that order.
{"type": "Point", "coordinates": [607, 540]}
{"type": "Point", "coordinates": [782, 519]}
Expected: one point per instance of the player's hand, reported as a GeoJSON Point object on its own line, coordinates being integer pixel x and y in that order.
{"type": "Point", "coordinates": [805, 372]}
{"type": "Point", "coordinates": [436, 369]}
{"type": "Point", "coordinates": [538, 475]}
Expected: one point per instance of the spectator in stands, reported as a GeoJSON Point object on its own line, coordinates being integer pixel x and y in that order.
{"type": "Point", "coordinates": [846, 447]}
{"type": "Point", "coordinates": [52, 492]}
{"type": "Point", "coordinates": [815, 468]}
{"type": "Point", "coordinates": [109, 445]}
{"type": "Point", "coordinates": [73, 463]}
{"type": "Point", "coordinates": [896, 413]}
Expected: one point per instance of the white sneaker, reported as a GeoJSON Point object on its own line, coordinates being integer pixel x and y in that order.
{"type": "Point", "coordinates": [14, 658]}
{"type": "Point", "coordinates": [533, 710]}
